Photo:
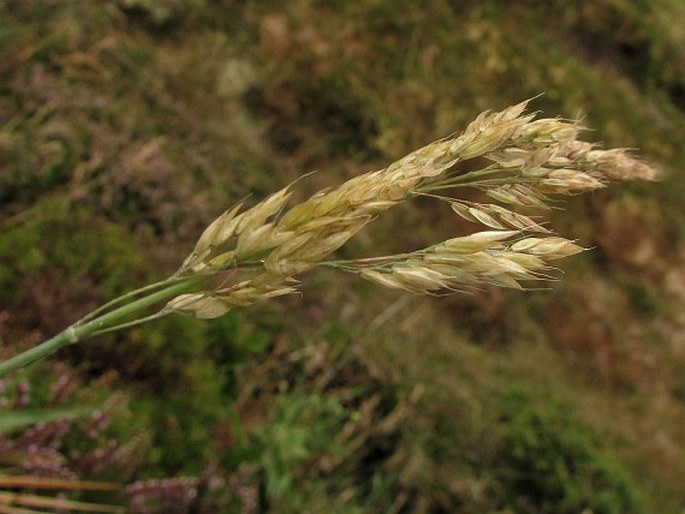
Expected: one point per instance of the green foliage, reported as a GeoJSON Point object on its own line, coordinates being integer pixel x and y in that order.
{"type": "Point", "coordinates": [183, 377]}
{"type": "Point", "coordinates": [548, 462]}
{"type": "Point", "coordinates": [300, 429]}
{"type": "Point", "coordinates": [22, 418]}
{"type": "Point", "coordinates": [53, 246]}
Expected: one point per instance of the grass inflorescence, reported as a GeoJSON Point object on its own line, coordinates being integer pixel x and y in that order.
{"type": "Point", "coordinates": [260, 251]}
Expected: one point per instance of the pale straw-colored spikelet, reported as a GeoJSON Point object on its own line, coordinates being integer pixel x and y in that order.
{"type": "Point", "coordinates": [618, 164]}
{"type": "Point", "coordinates": [248, 230]}
{"type": "Point", "coordinates": [548, 131]}
{"type": "Point", "coordinates": [495, 216]}
{"type": "Point", "coordinates": [551, 248]}
{"type": "Point", "coordinates": [267, 245]}
{"type": "Point", "coordinates": [567, 181]}
{"type": "Point", "coordinates": [491, 131]}
{"type": "Point", "coordinates": [518, 194]}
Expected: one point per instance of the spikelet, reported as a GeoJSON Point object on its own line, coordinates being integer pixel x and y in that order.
{"type": "Point", "coordinates": [220, 230]}
{"type": "Point", "coordinates": [518, 194]}
{"type": "Point", "coordinates": [490, 132]}
{"type": "Point", "coordinates": [544, 132]}
{"type": "Point", "coordinates": [618, 164]}
{"type": "Point", "coordinates": [550, 248]}
{"type": "Point", "coordinates": [251, 233]}
{"type": "Point", "coordinates": [568, 181]}
{"type": "Point", "coordinates": [496, 216]}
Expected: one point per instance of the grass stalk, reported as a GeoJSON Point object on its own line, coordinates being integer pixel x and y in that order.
{"type": "Point", "coordinates": [81, 331]}
{"type": "Point", "coordinates": [275, 245]}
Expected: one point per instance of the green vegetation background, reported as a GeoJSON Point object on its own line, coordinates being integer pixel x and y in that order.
{"type": "Point", "coordinates": [126, 126]}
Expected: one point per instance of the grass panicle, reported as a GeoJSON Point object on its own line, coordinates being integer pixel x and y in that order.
{"type": "Point", "coordinates": [526, 161]}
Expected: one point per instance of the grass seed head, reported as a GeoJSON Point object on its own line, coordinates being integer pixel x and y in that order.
{"type": "Point", "coordinates": [529, 160]}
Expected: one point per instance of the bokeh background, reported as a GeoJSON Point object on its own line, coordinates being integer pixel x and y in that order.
{"type": "Point", "coordinates": [126, 126]}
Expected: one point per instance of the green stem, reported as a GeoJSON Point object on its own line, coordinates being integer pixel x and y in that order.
{"type": "Point", "coordinates": [488, 183]}
{"type": "Point", "coordinates": [81, 331]}
{"type": "Point", "coordinates": [127, 296]}
{"type": "Point", "coordinates": [452, 180]}
{"type": "Point", "coordinates": [133, 323]}
{"type": "Point", "coordinates": [355, 265]}
{"type": "Point", "coordinates": [442, 198]}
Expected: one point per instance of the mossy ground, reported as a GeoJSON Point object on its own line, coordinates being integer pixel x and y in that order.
{"type": "Point", "coordinates": [127, 126]}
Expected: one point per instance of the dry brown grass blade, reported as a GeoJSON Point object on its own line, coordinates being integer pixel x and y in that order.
{"type": "Point", "coordinates": [32, 500]}
{"type": "Point", "coordinates": [7, 481]}
{"type": "Point", "coordinates": [8, 509]}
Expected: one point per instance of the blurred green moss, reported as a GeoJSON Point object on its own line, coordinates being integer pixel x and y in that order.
{"type": "Point", "coordinates": [549, 462]}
